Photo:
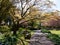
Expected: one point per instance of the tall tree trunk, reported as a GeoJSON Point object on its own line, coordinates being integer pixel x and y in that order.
{"type": "Point", "coordinates": [14, 32]}
{"type": "Point", "coordinates": [0, 23]}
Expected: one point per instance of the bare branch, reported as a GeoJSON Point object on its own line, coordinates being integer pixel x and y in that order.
{"type": "Point", "coordinates": [28, 9]}
{"type": "Point", "coordinates": [26, 3]}
{"type": "Point", "coordinates": [21, 8]}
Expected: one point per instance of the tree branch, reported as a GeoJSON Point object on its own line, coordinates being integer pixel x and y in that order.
{"type": "Point", "coordinates": [29, 20]}
{"type": "Point", "coordinates": [21, 8]}
{"type": "Point", "coordinates": [28, 9]}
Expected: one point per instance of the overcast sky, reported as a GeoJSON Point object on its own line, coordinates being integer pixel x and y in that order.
{"type": "Point", "coordinates": [57, 2]}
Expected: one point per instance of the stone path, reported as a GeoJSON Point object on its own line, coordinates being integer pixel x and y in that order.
{"type": "Point", "coordinates": [40, 38]}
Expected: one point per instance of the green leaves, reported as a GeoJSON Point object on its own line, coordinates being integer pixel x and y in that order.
{"type": "Point", "coordinates": [5, 7]}
{"type": "Point", "coordinates": [4, 28]}
{"type": "Point", "coordinates": [54, 38]}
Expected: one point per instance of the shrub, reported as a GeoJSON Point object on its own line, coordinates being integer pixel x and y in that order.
{"type": "Point", "coordinates": [4, 28]}
{"type": "Point", "coordinates": [54, 38]}
{"type": "Point", "coordinates": [8, 40]}
{"type": "Point", "coordinates": [45, 31]}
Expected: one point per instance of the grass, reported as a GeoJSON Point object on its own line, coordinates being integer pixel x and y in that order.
{"type": "Point", "coordinates": [57, 32]}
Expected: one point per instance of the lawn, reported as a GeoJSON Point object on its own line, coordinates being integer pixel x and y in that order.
{"type": "Point", "coordinates": [55, 32]}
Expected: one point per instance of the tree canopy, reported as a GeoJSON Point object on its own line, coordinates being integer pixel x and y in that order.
{"type": "Point", "coordinates": [8, 8]}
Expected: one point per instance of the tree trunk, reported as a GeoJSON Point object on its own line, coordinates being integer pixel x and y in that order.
{"type": "Point", "coordinates": [15, 28]}
{"type": "Point", "coordinates": [14, 32]}
{"type": "Point", "coordinates": [0, 23]}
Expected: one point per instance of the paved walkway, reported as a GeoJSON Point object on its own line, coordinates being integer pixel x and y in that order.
{"type": "Point", "coordinates": [40, 38]}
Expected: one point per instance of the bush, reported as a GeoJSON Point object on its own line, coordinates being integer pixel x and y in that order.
{"type": "Point", "coordinates": [45, 31]}
{"type": "Point", "coordinates": [8, 40]}
{"type": "Point", "coordinates": [5, 36]}
{"type": "Point", "coordinates": [54, 38]}
{"type": "Point", "coordinates": [4, 28]}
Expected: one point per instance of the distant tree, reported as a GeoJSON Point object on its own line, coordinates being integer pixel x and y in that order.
{"type": "Point", "coordinates": [51, 19]}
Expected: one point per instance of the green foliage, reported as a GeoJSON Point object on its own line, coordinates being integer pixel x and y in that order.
{"type": "Point", "coordinates": [2, 36]}
{"type": "Point", "coordinates": [21, 30]}
{"type": "Point", "coordinates": [45, 31]}
{"type": "Point", "coordinates": [54, 38]}
{"type": "Point", "coordinates": [34, 25]}
{"type": "Point", "coordinates": [4, 28]}
{"type": "Point", "coordinates": [8, 40]}
{"type": "Point", "coordinates": [5, 6]}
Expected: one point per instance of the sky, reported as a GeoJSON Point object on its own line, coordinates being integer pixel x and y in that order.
{"type": "Point", "coordinates": [57, 2]}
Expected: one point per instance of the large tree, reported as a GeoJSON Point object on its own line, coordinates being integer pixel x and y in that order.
{"type": "Point", "coordinates": [25, 7]}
